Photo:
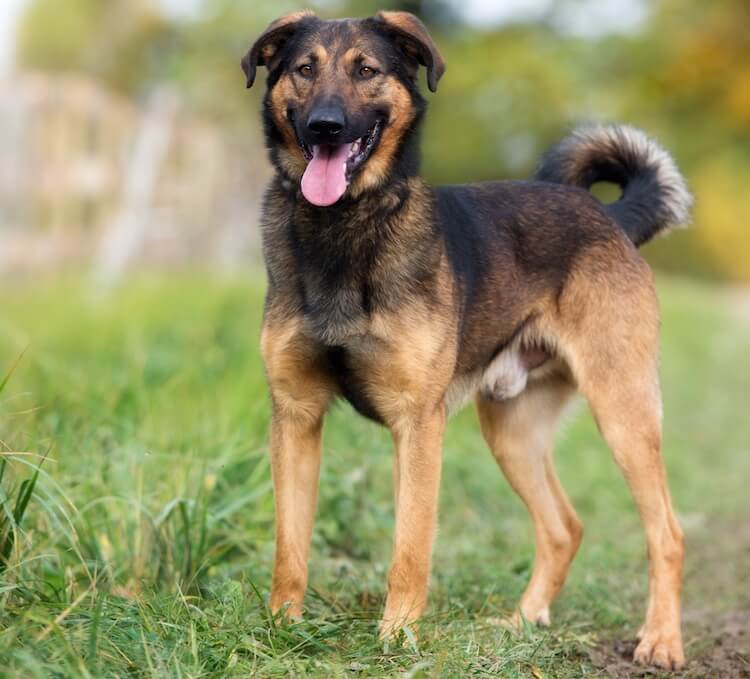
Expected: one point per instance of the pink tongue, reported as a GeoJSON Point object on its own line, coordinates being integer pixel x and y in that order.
{"type": "Point", "coordinates": [324, 181]}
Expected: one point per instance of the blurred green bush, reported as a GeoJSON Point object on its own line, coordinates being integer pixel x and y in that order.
{"type": "Point", "coordinates": [510, 91]}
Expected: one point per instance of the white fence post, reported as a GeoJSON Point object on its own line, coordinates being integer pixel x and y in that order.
{"type": "Point", "coordinates": [126, 233]}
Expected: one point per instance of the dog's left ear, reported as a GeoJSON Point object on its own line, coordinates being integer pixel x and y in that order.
{"type": "Point", "coordinates": [273, 38]}
{"type": "Point", "coordinates": [414, 38]}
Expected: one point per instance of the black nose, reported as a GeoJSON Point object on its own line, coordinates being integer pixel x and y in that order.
{"type": "Point", "coordinates": [326, 121]}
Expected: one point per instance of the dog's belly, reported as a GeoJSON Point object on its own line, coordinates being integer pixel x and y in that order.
{"type": "Point", "coordinates": [506, 376]}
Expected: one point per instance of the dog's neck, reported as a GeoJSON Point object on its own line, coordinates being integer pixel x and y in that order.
{"type": "Point", "coordinates": [356, 257]}
{"type": "Point", "coordinates": [363, 253]}
{"type": "Point", "coordinates": [370, 209]}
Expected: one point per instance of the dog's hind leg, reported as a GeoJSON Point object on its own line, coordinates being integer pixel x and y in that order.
{"type": "Point", "coordinates": [613, 357]}
{"type": "Point", "coordinates": [520, 433]}
{"type": "Point", "coordinates": [628, 413]}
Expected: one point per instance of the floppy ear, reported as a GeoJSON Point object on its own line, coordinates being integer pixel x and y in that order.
{"type": "Point", "coordinates": [415, 39]}
{"type": "Point", "coordinates": [274, 37]}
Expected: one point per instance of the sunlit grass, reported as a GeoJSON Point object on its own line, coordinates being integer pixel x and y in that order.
{"type": "Point", "coordinates": [136, 514]}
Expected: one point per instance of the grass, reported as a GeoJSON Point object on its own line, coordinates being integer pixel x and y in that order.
{"type": "Point", "coordinates": [137, 517]}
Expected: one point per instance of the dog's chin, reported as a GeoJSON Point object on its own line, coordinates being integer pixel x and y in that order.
{"type": "Point", "coordinates": [331, 168]}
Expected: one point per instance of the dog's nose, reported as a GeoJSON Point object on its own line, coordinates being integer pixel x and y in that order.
{"type": "Point", "coordinates": [327, 121]}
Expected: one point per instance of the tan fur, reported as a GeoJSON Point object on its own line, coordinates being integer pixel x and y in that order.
{"type": "Point", "coordinates": [609, 338]}
{"type": "Point", "coordinates": [322, 56]}
{"type": "Point", "coordinates": [520, 433]}
{"type": "Point", "coordinates": [378, 167]}
{"type": "Point", "coordinates": [300, 394]}
{"type": "Point", "coordinates": [407, 380]}
{"type": "Point", "coordinates": [290, 154]}
{"type": "Point", "coordinates": [614, 358]}
{"type": "Point", "coordinates": [357, 55]}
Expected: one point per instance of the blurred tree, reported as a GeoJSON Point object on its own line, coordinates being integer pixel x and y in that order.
{"type": "Point", "coordinates": [721, 215]}
{"type": "Point", "coordinates": [500, 102]}
{"type": "Point", "coordinates": [707, 70]}
{"type": "Point", "coordinates": [692, 83]}
{"type": "Point", "coordinates": [125, 42]}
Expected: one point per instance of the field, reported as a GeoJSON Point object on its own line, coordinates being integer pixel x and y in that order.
{"type": "Point", "coordinates": [144, 547]}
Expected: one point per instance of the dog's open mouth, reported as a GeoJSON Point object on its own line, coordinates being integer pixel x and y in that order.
{"type": "Point", "coordinates": [330, 167]}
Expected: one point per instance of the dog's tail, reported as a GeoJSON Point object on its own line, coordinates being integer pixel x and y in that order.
{"type": "Point", "coordinates": [654, 197]}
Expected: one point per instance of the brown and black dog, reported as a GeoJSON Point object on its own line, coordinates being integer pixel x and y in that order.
{"type": "Point", "coordinates": [407, 300]}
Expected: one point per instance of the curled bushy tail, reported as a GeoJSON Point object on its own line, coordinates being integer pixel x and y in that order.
{"type": "Point", "coordinates": [654, 197]}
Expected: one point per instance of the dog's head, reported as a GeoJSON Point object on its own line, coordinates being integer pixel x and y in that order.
{"type": "Point", "coordinates": [341, 97]}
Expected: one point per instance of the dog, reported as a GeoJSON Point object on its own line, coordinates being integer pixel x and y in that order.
{"type": "Point", "coordinates": [407, 300]}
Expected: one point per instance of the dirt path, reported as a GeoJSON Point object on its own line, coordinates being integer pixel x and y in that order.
{"type": "Point", "coordinates": [716, 619]}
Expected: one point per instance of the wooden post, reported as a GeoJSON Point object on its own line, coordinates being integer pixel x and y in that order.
{"type": "Point", "coordinates": [124, 236]}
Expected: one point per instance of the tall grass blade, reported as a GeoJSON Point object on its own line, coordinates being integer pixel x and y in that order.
{"type": "Point", "coordinates": [11, 522]}
{"type": "Point", "coordinates": [11, 370]}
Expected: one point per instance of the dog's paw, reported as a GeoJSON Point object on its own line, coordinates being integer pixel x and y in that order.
{"type": "Point", "coordinates": [539, 617]}
{"type": "Point", "coordinates": [400, 635]}
{"type": "Point", "coordinates": [286, 608]}
{"type": "Point", "coordinates": [519, 619]}
{"type": "Point", "coordinates": [661, 650]}
{"type": "Point", "coordinates": [387, 630]}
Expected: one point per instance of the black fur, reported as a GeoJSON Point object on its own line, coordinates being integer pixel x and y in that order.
{"type": "Point", "coordinates": [497, 231]}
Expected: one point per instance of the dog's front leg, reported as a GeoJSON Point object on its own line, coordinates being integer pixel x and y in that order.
{"type": "Point", "coordinates": [295, 456]}
{"type": "Point", "coordinates": [418, 440]}
{"type": "Point", "coordinates": [300, 393]}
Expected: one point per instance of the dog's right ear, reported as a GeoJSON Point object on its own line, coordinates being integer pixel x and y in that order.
{"type": "Point", "coordinates": [273, 38]}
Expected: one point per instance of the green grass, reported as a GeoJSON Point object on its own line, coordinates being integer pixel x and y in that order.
{"type": "Point", "coordinates": [137, 517]}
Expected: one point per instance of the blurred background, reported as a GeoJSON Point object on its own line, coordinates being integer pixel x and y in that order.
{"type": "Point", "coordinates": [128, 140]}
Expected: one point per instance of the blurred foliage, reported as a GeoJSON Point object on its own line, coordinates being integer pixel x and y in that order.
{"type": "Point", "coordinates": [724, 207]}
{"type": "Point", "coordinates": [120, 41]}
{"type": "Point", "coordinates": [509, 92]}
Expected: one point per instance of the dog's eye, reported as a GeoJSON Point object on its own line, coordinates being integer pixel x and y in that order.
{"type": "Point", "coordinates": [367, 72]}
{"type": "Point", "coordinates": [306, 71]}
